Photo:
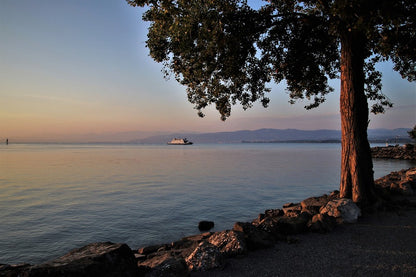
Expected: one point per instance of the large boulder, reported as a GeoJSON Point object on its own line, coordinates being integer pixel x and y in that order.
{"type": "Point", "coordinates": [312, 205]}
{"type": "Point", "coordinates": [270, 213]}
{"type": "Point", "coordinates": [206, 256]}
{"type": "Point", "coordinates": [95, 259]}
{"type": "Point", "coordinates": [292, 210]}
{"type": "Point", "coordinates": [343, 209]}
{"type": "Point", "coordinates": [255, 238]}
{"type": "Point", "coordinates": [15, 270]}
{"type": "Point", "coordinates": [403, 187]}
{"type": "Point", "coordinates": [321, 223]}
{"type": "Point", "coordinates": [229, 242]}
{"type": "Point", "coordinates": [187, 244]}
{"type": "Point", "coordinates": [150, 249]}
{"type": "Point", "coordinates": [164, 264]}
{"type": "Point", "coordinates": [273, 213]}
{"type": "Point", "coordinates": [290, 225]}
{"type": "Point", "coordinates": [411, 175]}
{"type": "Point", "coordinates": [269, 224]}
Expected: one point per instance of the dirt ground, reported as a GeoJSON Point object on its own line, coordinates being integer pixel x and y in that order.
{"type": "Point", "coordinates": [380, 244]}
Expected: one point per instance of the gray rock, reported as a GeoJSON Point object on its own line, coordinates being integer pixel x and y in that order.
{"type": "Point", "coordinates": [206, 256]}
{"type": "Point", "coordinates": [344, 209]}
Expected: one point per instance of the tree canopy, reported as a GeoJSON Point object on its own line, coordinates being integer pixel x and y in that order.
{"type": "Point", "coordinates": [225, 52]}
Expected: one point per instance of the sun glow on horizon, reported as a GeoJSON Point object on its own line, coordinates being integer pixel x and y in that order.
{"type": "Point", "coordinates": [74, 68]}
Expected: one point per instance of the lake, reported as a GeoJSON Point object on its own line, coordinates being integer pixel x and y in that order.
{"type": "Point", "coordinates": [56, 197]}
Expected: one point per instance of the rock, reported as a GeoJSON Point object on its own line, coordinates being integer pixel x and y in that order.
{"type": "Point", "coordinates": [255, 238]}
{"type": "Point", "coordinates": [230, 243]}
{"type": "Point", "coordinates": [156, 260]}
{"type": "Point", "coordinates": [293, 210]}
{"type": "Point", "coordinates": [139, 257]}
{"type": "Point", "coordinates": [273, 213]}
{"type": "Point", "coordinates": [271, 226]}
{"type": "Point", "coordinates": [394, 152]}
{"type": "Point", "coordinates": [406, 188]}
{"type": "Point", "coordinates": [322, 223]}
{"type": "Point", "coordinates": [289, 225]}
{"type": "Point", "coordinates": [402, 182]}
{"type": "Point", "coordinates": [7, 270]}
{"type": "Point", "coordinates": [205, 225]}
{"type": "Point", "coordinates": [333, 195]}
{"type": "Point", "coordinates": [409, 146]}
{"type": "Point", "coordinates": [344, 209]}
{"type": "Point", "coordinates": [288, 205]}
{"type": "Point", "coordinates": [312, 205]}
{"type": "Point", "coordinates": [187, 242]}
{"type": "Point", "coordinates": [95, 259]}
{"type": "Point", "coordinates": [206, 256]}
{"type": "Point", "coordinates": [410, 175]}
{"type": "Point", "coordinates": [402, 187]}
{"type": "Point", "coordinates": [197, 238]}
{"type": "Point", "coordinates": [165, 264]}
{"type": "Point", "coordinates": [151, 249]}
{"type": "Point", "coordinates": [184, 244]}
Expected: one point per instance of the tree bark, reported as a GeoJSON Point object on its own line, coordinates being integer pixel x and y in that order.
{"type": "Point", "coordinates": [357, 176]}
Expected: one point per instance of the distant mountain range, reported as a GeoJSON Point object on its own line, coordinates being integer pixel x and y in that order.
{"type": "Point", "coordinates": [278, 135]}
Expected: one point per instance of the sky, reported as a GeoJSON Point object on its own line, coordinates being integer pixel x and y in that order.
{"type": "Point", "coordinates": [71, 70]}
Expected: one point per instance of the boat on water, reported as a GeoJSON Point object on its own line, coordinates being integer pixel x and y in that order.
{"type": "Point", "coordinates": [180, 141]}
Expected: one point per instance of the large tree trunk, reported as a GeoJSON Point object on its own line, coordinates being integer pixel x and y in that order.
{"type": "Point", "coordinates": [357, 180]}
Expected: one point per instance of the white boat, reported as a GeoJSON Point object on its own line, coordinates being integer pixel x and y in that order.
{"type": "Point", "coordinates": [177, 141]}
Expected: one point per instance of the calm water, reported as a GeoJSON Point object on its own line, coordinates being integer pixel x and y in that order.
{"type": "Point", "coordinates": [54, 198]}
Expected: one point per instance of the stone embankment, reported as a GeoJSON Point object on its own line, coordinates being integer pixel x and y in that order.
{"type": "Point", "coordinates": [211, 249]}
{"type": "Point", "coordinates": [405, 152]}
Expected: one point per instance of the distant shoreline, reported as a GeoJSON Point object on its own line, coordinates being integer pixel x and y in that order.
{"type": "Point", "coordinates": [333, 141]}
{"type": "Point", "coordinates": [398, 141]}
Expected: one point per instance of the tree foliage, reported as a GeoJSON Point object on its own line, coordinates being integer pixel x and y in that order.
{"type": "Point", "coordinates": [226, 52]}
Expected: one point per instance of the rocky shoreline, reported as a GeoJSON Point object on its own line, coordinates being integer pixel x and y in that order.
{"type": "Point", "coordinates": [211, 250]}
{"type": "Point", "coordinates": [405, 152]}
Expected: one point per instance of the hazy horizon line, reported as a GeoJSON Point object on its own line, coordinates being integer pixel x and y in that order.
{"type": "Point", "coordinates": [131, 136]}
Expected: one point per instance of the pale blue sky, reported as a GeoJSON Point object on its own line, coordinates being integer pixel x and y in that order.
{"type": "Point", "coordinates": [76, 67]}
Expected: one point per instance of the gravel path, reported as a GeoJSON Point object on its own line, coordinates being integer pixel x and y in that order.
{"type": "Point", "coordinates": [382, 244]}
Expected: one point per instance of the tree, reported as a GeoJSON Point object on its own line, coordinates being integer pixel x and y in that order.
{"type": "Point", "coordinates": [226, 52]}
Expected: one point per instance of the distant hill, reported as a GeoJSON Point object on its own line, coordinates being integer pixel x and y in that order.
{"type": "Point", "coordinates": [277, 135]}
